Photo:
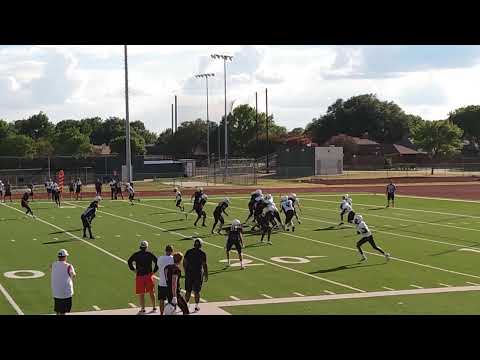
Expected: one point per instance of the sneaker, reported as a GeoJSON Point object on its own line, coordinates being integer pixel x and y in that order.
{"type": "Point", "coordinates": [288, 229]}
{"type": "Point", "coordinates": [141, 312]}
{"type": "Point", "coordinates": [299, 222]}
{"type": "Point", "coordinates": [269, 242]}
{"type": "Point", "coordinates": [92, 237]}
{"type": "Point", "coordinates": [387, 256]}
{"type": "Point", "coordinates": [340, 223]}
{"type": "Point", "coordinates": [293, 229]}
{"type": "Point", "coordinates": [197, 308]}
{"type": "Point", "coordinates": [154, 310]}
{"type": "Point", "coordinates": [364, 258]}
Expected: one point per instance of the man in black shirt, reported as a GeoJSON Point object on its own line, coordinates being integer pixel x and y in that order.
{"type": "Point", "coordinates": [196, 270]}
{"type": "Point", "coordinates": [199, 210]}
{"type": "Point", "coordinates": [24, 203]}
{"type": "Point", "coordinates": [87, 218]}
{"type": "Point", "coordinates": [143, 260]}
{"type": "Point", "coordinates": [196, 196]}
{"type": "Point", "coordinates": [173, 274]}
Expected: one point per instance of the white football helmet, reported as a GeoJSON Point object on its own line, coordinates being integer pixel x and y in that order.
{"type": "Point", "coordinates": [358, 219]}
{"type": "Point", "coordinates": [204, 196]}
{"type": "Point", "coordinates": [293, 195]}
{"type": "Point", "coordinates": [268, 197]}
{"type": "Point", "coordinates": [227, 200]}
{"type": "Point", "coordinates": [258, 191]}
{"type": "Point", "coordinates": [175, 189]}
{"type": "Point", "coordinates": [284, 198]}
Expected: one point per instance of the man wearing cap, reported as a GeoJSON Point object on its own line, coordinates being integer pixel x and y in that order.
{"type": "Point", "coordinates": [62, 283]}
{"type": "Point", "coordinates": [143, 260]}
{"type": "Point", "coordinates": [162, 262]}
{"type": "Point", "coordinates": [196, 270]}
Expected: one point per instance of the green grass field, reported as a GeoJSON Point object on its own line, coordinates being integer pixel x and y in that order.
{"type": "Point", "coordinates": [434, 245]}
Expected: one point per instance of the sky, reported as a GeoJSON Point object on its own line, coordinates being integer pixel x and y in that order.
{"type": "Point", "coordinates": [79, 81]}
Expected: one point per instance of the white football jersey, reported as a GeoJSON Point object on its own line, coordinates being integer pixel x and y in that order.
{"type": "Point", "coordinates": [363, 229]}
{"type": "Point", "coordinates": [345, 206]}
{"type": "Point", "coordinates": [130, 189]}
{"type": "Point", "coordinates": [287, 205]}
{"type": "Point", "coordinates": [2, 187]}
{"type": "Point", "coordinates": [349, 200]}
{"type": "Point", "coordinates": [178, 196]}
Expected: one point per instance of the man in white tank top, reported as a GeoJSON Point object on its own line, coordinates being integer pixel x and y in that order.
{"type": "Point", "coordinates": [62, 283]}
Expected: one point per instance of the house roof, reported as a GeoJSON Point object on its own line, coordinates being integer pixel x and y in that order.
{"type": "Point", "coordinates": [400, 149]}
{"type": "Point", "coordinates": [360, 141]}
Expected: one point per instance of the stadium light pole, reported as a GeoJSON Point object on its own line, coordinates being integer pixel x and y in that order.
{"type": "Point", "coordinates": [206, 76]}
{"type": "Point", "coordinates": [224, 58]}
{"type": "Point", "coordinates": [127, 121]}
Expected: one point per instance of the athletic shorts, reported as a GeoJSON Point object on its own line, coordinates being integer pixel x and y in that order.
{"type": "Point", "coordinates": [289, 216]}
{"type": "Point", "coordinates": [162, 293]}
{"type": "Point", "coordinates": [368, 239]}
{"type": "Point", "coordinates": [144, 284]}
{"type": "Point", "coordinates": [178, 202]}
{"type": "Point", "coordinates": [237, 245]}
{"type": "Point", "coordinates": [62, 306]}
{"type": "Point", "coordinates": [24, 204]}
{"type": "Point", "coordinates": [78, 190]}
{"type": "Point", "coordinates": [193, 282]}
{"type": "Point", "coordinates": [131, 196]}
{"type": "Point", "coordinates": [391, 196]}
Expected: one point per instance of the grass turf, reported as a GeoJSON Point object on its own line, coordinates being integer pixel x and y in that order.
{"type": "Point", "coordinates": [424, 237]}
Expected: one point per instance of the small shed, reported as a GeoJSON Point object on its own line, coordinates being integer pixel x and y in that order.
{"type": "Point", "coordinates": [328, 160]}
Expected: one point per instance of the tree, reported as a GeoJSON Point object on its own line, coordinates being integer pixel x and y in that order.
{"type": "Point", "coordinates": [89, 125]}
{"type": "Point", "coordinates": [36, 126]}
{"type": "Point", "coordinates": [71, 142]}
{"type": "Point", "coordinates": [468, 119]}
{"type": "Point", "coordinates": [384, 121]}
{"type": "Point", "coordinates": [137, 145]}
{"type": "Point", "coordinates": [17, 145]}
{"type": "Point", "coordinates": [110, 129]}
{"type": "Point", "coordinates": [190, 136]}
{"type": "Point", "coordinates": [43, 147]}
{"type": "Point", "coordinates": [6, 129]}
{"type": "Point", "coordinates": [149, 136]}
{"type": "Point", "coordinates": [298, 131]}
{"type": "Point", "coordinates": [438, 138]}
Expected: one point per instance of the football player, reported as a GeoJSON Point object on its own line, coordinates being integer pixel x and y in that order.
{"type": "Point", "coordinates": [199, 209]}
{"type": "Point", "coordinates": [346, 208]}
{"type": "Point", "coordinates": [24, 203]}
{"type": "Point", "coordinates": [251, 204]}
{"type": "Point", "coordinates": [131, 193]}
{"type": "Point", "coordinates": [217, 214]}
{"type": "Point", "coordinates": [235, 238]}
{"type": "Point", "coordinates": [364, 232]}
{"type": "Point", "coordinates": [88, 216]}
{"type": "Point", "coordinates": [296, 204]}
{"type": "Point", "coordinates": [288, 209]}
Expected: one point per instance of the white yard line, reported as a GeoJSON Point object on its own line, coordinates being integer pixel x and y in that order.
{"type": "Point", "coordinates": [11, 301]}
{"type": "Point", "coordinates": [346, 296]}
{"type": "Point", "coordinates": [416, 286]}
{"type": "Point", "coordinates": [132, 305]}
{"type": "Point", "coordinates": [446, 285]}
{"type": "Point", "coordinates": [387, 288]}
{"type": "Point", "coordinates": [298, 294]}
{"type": "Point", "coordinates": [96, 308]}
{"type": "Point", "coordinates": [329, 292]}
{"type": "Point", "coordinates": [234, 298]}
{"type": "Point", "coordinates": [472, 283]}
{"type": "Point", "coordinates": [267, 296]}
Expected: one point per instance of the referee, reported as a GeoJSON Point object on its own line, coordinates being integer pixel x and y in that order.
{"type": "Point", "coordinates": [390, 192]}
{"type": "Point", "coordinates": [196, 270]}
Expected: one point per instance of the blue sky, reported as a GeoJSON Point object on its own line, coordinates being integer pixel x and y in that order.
{"type": "Point", "coordinates": [80, 81]}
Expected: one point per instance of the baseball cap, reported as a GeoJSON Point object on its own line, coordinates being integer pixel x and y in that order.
{"type": "Point", "coordinates": [63, 253]}
{"type": "Point", "coordinates": [144, 244]}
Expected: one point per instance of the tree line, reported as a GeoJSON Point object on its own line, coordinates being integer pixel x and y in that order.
{"type": "Point", "coordinates": [384, 121]}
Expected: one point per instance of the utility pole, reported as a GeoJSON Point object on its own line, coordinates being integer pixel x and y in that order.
{"type": "Point", "coordinates": [266, 113]}
{"type": "Point", "coordinates": [127, 122]}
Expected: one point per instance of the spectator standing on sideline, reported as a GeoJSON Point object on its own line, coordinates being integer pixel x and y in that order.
{"type": "Point", "coordinates": [113, 188]}
{"type": "Point", "coordinates": [78, 189]}
{"type": "Point", "coordinates": [196, 270]}
{"type": "Point", "coordinates": [98, 187]}
{"type": "Point", "coordinates": [143, 260]}
{"type": "Point", "coordinates": [162, 262]}
{"type": "Point", "coordinates": [71, 188]}
{"type": "Point", "coordinates": [63, 274]}
{"type": "Point", "coordinates": [173, 274]}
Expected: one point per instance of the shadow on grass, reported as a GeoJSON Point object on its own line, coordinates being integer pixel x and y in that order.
{"type": "Point", "coordinates": [65, 231]}
{"type": "Point", "coordinates": [377, 208]}
{"type": "Point", "coordinates": [58, 241]}
{"type": "Point", "coordinates": [333, 227]}
{"type": "Point", "coordinates": [345, 267]}
{"type": "Point", "coordinates": [12, 219]}
{"type": "Point", "coordinates": [455, 250]}
{"type": "Point", "coordinates": [225, 269]}
{"type": "Point", "coordinates": [164, 213]}
{"type": "Point", "coordinates": [168, 221]}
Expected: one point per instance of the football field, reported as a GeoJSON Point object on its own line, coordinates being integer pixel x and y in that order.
{"type": "Point", "coordinates": [434, 268]}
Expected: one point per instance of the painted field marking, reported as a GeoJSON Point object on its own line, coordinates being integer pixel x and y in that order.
{"type": "Point", "coordinates": [96, 308]}
{"type": "Point", "coordinates": [55, 238]}
{"type": "Point", "coordinates": [329, 292]}
{"type": "Point", "coordinates": [416, 286]}
{"type": "Point", "coordinates": [315, 256]}
{"type": "Point", "coordinates": [467, 249]}
{"type": "Point", "coordinates": [446, 285]}
{"type": "Point", "coordinates": [364, 295]}
{"type": "Point", "coordinates": [10, 300]}
{"type": "Point", "coordinates": [472, 283]}
{"type": "Point", "coordinates": [234, 298]}
{"type": "Point", "coordinates": [12, 240]}
{"type": "Point", "coordinates": [387, 288]}
{"type": "Point", "coordinates": [266, 296]}
{"type": "Point", "coordinates": [298, 294]}
{"type": "Point", "coordinates": [117, 235]}
{"type": "Point", "coordinates": [132, 305]}
{"type": "Point", "coordinates": [34, 239]}
{"type": "Point", "coordinates": [245, 254]}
